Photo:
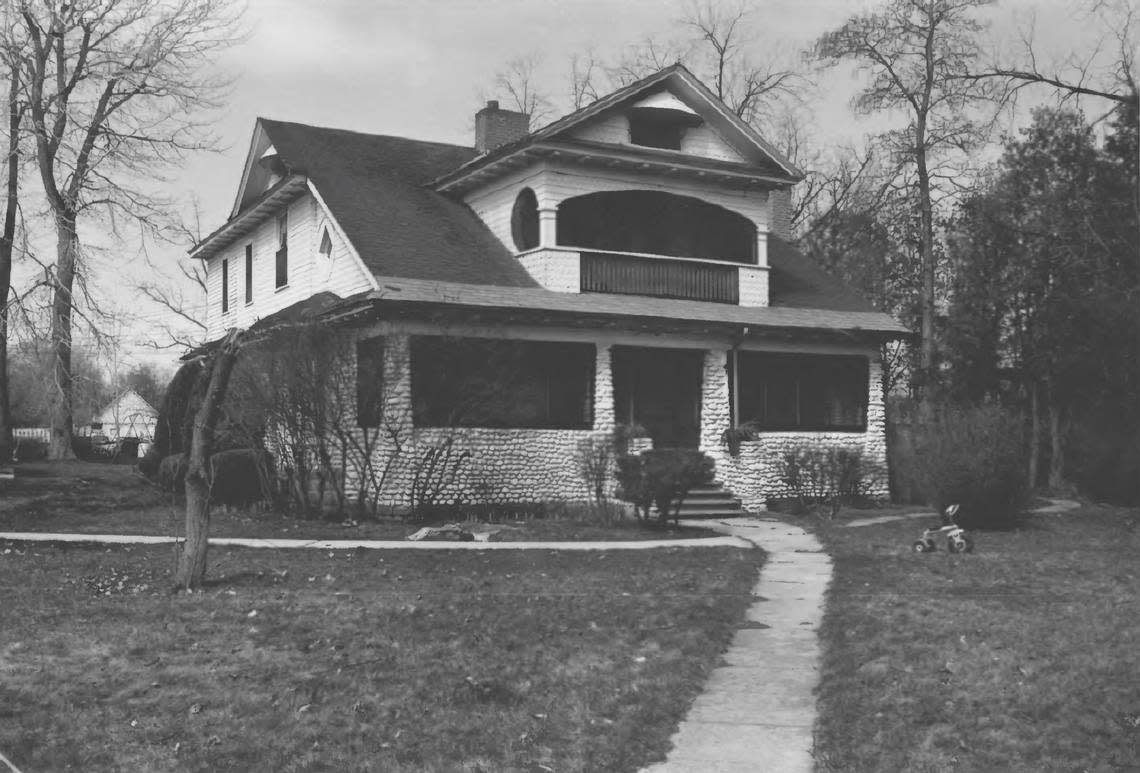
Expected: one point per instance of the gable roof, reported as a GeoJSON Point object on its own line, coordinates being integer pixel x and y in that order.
{"type": "Point", "coordinates": [796, 281]}
{"type": "Point", "coordinates": [766, 157]}
{"type": "Point", "coordinates": [374, 186]}
{"type": "Point", "coordinates": [127, 395]}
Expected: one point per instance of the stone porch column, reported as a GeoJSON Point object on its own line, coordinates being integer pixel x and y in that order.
{"type": "Point", "coordinates": [714, 401]}
{"type": "Point", "coordinates": [603, 389]}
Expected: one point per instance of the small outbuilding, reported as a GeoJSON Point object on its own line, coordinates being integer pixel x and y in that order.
{"type": "Point", "coordinates": [127, 416]}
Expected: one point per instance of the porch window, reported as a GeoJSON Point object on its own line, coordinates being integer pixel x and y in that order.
{"type": "Point", "coordinates": [801, 392]}
{"type": "Point", "coordinates": [481, 382]}
{"type": "Point", "coordinates": [369, 381]}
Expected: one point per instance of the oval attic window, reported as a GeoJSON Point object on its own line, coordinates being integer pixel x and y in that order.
{"type": "Point", "coordinates": [524, 220]}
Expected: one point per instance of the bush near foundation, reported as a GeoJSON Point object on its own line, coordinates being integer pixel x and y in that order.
{"type": "Point", "coordinates": [661, 477]}
{"type": "Point", "coordinates": [975, 457]}
{"type": "Point", "coordinates": [824, 477]}
{"type": "Point", "coordinates": [172, 473]}
{"type": "Point", "coordinates": [240, 477]}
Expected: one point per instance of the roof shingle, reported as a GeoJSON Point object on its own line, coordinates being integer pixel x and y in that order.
{"type": "Point", "coordinates": [374, 186]}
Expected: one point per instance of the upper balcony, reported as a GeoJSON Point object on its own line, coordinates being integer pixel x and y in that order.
{"type": "Point", "coordinates": [641, 242]}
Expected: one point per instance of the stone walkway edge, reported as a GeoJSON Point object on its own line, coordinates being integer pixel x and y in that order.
{"type": "Point", "coordinates": [347, 544]}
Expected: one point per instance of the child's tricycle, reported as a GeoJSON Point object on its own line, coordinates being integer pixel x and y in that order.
{"type": "Point", "coordinates": [957, 541]}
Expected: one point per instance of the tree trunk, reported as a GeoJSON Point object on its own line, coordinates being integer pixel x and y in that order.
{"type": "Point", "coordinates": [191, 570]}
{"type": "Point", "coordinates": [926, 354]}
{"type": "Point", "coordinates": [1034, 436]}
{"type": "Point", "coordinates": [7, 244]}
{"type": "Point", "coordinates": [1056, 445]}
{"type": "Point", "coordinates": [63, 281]}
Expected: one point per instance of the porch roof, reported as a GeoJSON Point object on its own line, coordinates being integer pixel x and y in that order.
{"type": "Point", "coordinates": [408, 297]}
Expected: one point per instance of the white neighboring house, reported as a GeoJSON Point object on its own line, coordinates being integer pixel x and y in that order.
{"type": "Point", "coordinates": [127, 416]}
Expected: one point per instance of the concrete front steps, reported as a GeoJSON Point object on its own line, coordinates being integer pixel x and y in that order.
{"type": "Point", "coordinates": [712, 500]}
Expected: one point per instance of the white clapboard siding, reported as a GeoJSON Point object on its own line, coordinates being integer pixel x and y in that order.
{"type": "Point", "coordinates": [696, 141]}
{"type": "Point", "coordinates": [307, 219]}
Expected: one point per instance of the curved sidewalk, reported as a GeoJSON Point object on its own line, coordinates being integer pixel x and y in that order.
{"type": "Point", "coordinates": [757, 712]}
{"type": "Point", "coordinates": [352, 544]}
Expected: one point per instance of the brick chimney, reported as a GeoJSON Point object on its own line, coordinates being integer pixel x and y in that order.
{"type": "Point", "coordinates": [780, 213]}
{"type": "Point", "coordinates": [495, 126]}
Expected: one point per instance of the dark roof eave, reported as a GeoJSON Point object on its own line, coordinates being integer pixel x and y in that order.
{"type": "Point", "coordinates": [241, 223]}
{"type": "Point", "coordinates": [380, 305]}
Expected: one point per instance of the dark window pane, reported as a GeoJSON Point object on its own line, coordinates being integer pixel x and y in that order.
{"type": "Point", "coordinates": [249, 273]}
{"type": "Point", "coordinates": [369, 381]}
{"type": "Point", "coordinates": [655, 133]}
{"type": "Point", "coordinates": [225, 286]}
{"type": "Point", "coordinates": [282, 267]}
{"type": "Point", "coordinates": [524, 220]}
{"type": "Point", "coordinates": [472, 382]}
{"type": "Point", "coordinates": [803, 392]}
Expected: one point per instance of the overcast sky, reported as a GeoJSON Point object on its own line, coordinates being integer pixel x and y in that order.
{"type": "Point", "coordinates": [420, 69]}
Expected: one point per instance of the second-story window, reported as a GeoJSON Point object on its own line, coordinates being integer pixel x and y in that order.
{"type": "Point", "coordinates": [249, 273]}
{"type": "Point", "coordinates": [225, 286]}
{"type": "Point", "coordinates": [282, 278]}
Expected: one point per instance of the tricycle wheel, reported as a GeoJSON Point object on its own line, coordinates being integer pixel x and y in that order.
{"type": "Point", "coordinates": [920, 546]}
{"type": "Point", "coordinates": [957, 545]}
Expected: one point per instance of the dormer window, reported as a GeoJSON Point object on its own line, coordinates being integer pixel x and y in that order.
{"type": "Point", "coordinates": [660, 121]}
{"type": "Point", "coordinates": [654, 133]}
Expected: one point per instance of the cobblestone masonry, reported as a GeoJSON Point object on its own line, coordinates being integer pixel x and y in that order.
{"type": "Point", "coordinates": [754, 476]}
{"type": "Point", "coordinates": [517, 465]}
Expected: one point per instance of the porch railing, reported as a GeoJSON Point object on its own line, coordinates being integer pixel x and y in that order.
{"type": "Point", "coordinates": [662, 278]}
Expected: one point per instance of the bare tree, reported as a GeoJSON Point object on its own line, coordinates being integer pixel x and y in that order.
{"type": "Point", "coordinates": [7, 245]}
{"type": "Point", "coordinates": [1106, 70]}
{"type": "Point", "coordinates": [179, 301]}
{"type": "Point", "coordinates": [117, 90]}
{"type": "Point", "coordinates": [912, 51]}
{"type": "Point", "coordinates": [519, 80]}
{"type": "Point", "coordinates": [213, 383]}
{"type": "Point", "coordinates": [747, 87]}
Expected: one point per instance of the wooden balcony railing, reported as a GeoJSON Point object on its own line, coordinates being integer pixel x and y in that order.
{"type": "Point", "coordinates": [659, 277]}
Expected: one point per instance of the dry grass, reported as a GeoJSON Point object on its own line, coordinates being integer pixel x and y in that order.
{"type": "Point", "coordinates": [358, 660]}
{"type": "Point", "coordinates": [1020, 657]}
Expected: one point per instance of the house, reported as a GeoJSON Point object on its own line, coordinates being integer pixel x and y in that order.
{"type": "Point", "coordinates": [631, 259]}
{"type": "Point", "coordinates": [127, 416]}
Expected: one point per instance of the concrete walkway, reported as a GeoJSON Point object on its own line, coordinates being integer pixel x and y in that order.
{"type": "Point", "coordinates": [352, 544]}
{"type": "Point", "coordinates": [757, 712]}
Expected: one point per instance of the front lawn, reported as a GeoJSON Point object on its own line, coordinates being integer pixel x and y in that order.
{"type": "Point", "coordinates": [358, 660]}
{"type": "Point", "coordinates": [90, 498]}
{"type": "Point", "coordinates": [1022, 656]}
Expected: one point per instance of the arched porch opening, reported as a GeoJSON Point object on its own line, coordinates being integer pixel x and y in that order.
{"type": "Point", "coordinates": [656, 223]}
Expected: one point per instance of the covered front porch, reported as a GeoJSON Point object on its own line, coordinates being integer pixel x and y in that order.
{"type": "Point", "coordinates": [522, 401]}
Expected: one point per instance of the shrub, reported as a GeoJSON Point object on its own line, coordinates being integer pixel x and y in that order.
{"type": "Point", "coordinates": [593, 460]}
{"type": "Point", "coordinates": [29, 449]}
{"type": "Point", "coordinates": [661, 477]}
{"type": "Point", "coordinates": [240, 477]}
{"type": "Point", "coordinates": [824, 476]}
{"type": "Point", "coordinates": [172, 473]}
{"type": "Point", "coordinates": [1104, 458]}
{"type": "Point", "coordinates": [975, 457]}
